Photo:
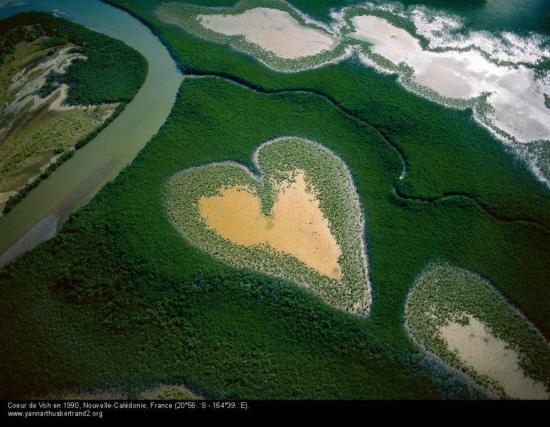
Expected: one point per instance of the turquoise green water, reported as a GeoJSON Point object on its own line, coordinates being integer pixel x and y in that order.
{"type": "Point", "coordinates": [503, 15]}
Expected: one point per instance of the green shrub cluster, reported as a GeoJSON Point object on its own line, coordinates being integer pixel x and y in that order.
{"type": "Point", "coordinates": [275, 160]}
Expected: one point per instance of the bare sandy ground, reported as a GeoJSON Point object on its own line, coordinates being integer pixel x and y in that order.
{"type": "Point", "coordinates": [487, 355]}
{"type": "Point", "coordinates": [4, 197]}
{"type": "Point", "coordinates": [25, 83]}
{"type": "Point", "coordinates": [515, 95]}
{"type": "Point", "coordinates": [296, 225]}
{"type": "Point", "coordinates": [273, 30]}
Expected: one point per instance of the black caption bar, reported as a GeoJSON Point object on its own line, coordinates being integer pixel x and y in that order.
{"type": "Point", "coordinates": [100, 409]}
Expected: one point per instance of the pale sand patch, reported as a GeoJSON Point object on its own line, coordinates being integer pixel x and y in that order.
{"type": "Point", "coordinates": [487, 355]}
{"type": "Point", "coordinates": [60, 95]}
{"type": "Point", "coordinates": [169, 392]}
{"type": "Point", "coordinates": [516, 96]}
{"type": "Point", "coordinates": [27, 82]}
{"type": "Point", "coordinates": [274, 30]}
{"type": "Point", "coordinates": [296, 225]}
{"type": "Point", "coordinates": [4, 197]}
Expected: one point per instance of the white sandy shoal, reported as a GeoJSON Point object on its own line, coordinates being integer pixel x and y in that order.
{"type": "Point", "coordinates": [516, 96]}
{"type": "Point", "coordinates": [273, 30]}
{"type": "Point", "coordinates": [26, 87]}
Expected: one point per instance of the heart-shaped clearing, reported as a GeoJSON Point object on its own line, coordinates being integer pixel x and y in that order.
{"type": "Point", "coordinates": [296, 225]}
{"type": "Point", "coordinates": [301, 220]}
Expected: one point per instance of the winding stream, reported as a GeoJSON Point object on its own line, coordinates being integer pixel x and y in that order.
{"type": "Point", "coordinates": [40, 215]}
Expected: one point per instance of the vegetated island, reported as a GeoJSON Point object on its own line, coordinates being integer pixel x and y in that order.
{"type": "Point", "coordinates": [459, 317]}
{"type": "Point", "coordinates": [60, 85]}
{"type": "Point", "coordinates": [300, 219]}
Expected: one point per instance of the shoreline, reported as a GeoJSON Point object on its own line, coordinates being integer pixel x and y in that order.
{"type": "Point", "coordinates": [47, 228]}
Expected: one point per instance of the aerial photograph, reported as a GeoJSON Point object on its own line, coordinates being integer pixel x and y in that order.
{"type": "Point", "coordinates": [240, 205]}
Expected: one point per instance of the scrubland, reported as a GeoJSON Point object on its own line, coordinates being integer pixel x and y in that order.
{"type": "Point", "coordinates": [150, 307]}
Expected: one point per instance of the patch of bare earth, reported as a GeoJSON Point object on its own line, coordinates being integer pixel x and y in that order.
{"type": "Point", "coordinates": [487, 355]}
{"type": "Point", "coordinates": [274, 30]}
{"type": "Point", "coordinates": [296, 225]}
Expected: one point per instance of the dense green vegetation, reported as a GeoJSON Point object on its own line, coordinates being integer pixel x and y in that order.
{"type": "Point", "coordinates": [119, 299]}
{"type": "Point", "coordinates": [148, 306]}
{"type": "Point", "coordinates": [433, 140]}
